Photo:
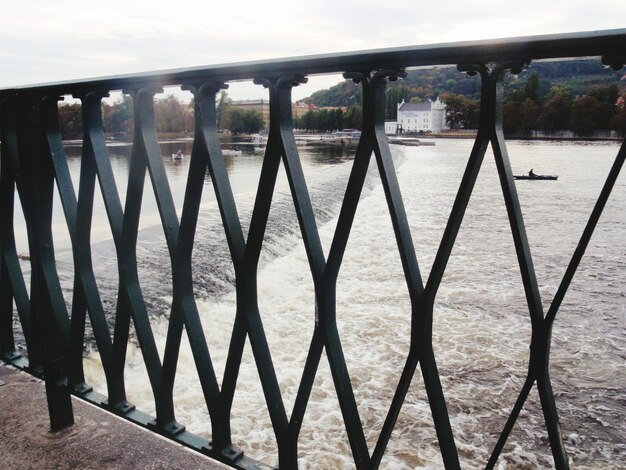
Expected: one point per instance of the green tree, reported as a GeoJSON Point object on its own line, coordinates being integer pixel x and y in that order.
{"type": "Point", "coordinates": [395, 95]}
{"type": "Point", "coordinates": [562, 90]}
{"type": "Point", "coordinates": [460, 111]}
{"type": "Point", "coordinates": [118, 117]}
{"type": "Point", "coordinates": [455, 109]}
{"type": "Point", "coordinates": [353, 117]}
{"type": "Point", "coordinates": [220, 108]}
{"type": "Point", "coordinates": [243, 121]}
{"type": "Point", "coordinates": [310, 120]}
{"type": "Point", "coordinates": [532, 89]}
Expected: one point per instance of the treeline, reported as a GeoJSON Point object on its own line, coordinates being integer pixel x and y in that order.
{"type": "Point", "coordinates": [578, 95]}
{"type": "Point", "coordinates": [577, 75]}
{"type": "Point", "coordinates": [330, 119]}
{"type": "Point", "coordinates": [117, 117]}
{"type": "Point", "coordinates": [531, 108]}
{"type": "Point", "coordinates": [528, 109]}
{"type": "Point", "coordinates": [171, 116]}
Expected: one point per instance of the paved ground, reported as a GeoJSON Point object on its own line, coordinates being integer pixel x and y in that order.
{"type": "Point", "coordinates": [98, 440]}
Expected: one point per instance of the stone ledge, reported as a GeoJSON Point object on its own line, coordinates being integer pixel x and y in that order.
{"type": "Point", "coordinates": [97, 440]}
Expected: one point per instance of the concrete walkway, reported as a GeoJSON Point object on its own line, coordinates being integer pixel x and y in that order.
{"type": "Point", "coordinates": [98, 440]}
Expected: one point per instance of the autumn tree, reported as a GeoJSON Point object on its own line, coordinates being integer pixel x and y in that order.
{"type": "Point", "coordinates": [70, 120]}
{"type": "Point", "coordinates": [619, 120]}
{"type": "Point", "coordinates": [607, 98]}
{"type": "Point", "coordinates": [171, 115]}
{"type": "Point", "coordinates": [585, 113]}
{"type": "Point", "coordinates": [555, 114]}
{"type": "Point", "coordinates": [511, 117]}
{"type": "Point", "coordinates": [528, 118]}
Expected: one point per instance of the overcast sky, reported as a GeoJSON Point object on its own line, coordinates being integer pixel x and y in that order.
{"type": "Point", "coordinates": [44, 41]}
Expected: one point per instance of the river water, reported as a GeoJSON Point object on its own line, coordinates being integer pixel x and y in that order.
{"type": "Point", "coordinates": [481, 324]}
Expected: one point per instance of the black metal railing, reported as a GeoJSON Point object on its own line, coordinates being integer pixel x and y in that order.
{"type": "Point", "coordinates": [33, 162]}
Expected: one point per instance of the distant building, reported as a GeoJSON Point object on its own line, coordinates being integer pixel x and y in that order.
{"type": "Point", "coordinates": [299, 109]}
{"type": "Point", "coordinates": [391, 126]}
{"type": "Point", "coordinates": [425, 116]}
{"type": "Point", "coordinates": [261, 105]}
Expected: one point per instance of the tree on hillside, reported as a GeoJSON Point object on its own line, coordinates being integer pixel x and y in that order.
{"type": "Point", "coordinates": [564, 91]}
{"type": "Point", "coordinates": [577, 76]}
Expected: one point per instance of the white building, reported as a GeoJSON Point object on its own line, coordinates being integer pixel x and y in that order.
{"type": "Point", "coordinates": [425, 116]}
{"type": "Point", "coordinates": [391, 126]}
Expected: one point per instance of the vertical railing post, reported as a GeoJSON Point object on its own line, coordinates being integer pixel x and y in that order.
{"type": "Point", "coordinates": [47, 302]}
{"type": "Point", "coordinates": [7, 196]}
{"type": "Point", "coordinates": [13, 288]}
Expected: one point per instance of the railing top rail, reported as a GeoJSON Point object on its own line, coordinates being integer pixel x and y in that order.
{"type": "Point", "coordinates": [581, 44]}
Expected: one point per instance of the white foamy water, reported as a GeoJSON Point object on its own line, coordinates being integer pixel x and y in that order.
{"type": "Point", "coordinates": [481, 325]}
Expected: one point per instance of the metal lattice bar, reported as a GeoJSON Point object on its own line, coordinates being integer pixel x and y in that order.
{"type": "Point", "coordinates": [12, 285]}
{"type": "Point", "coordinates": [33, 160]}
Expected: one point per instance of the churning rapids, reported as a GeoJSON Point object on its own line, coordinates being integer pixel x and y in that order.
{"type": "Point", "coordinates": [481, 324]}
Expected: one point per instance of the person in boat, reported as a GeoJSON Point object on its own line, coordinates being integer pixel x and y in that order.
{"type": "Point", "coordinates": [532, 174]}
{"type": "Point", "coordinates": [179, 154]}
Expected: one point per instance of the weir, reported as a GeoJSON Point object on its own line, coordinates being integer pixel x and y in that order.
{"type": "Point", "coordinates": [33, 163]}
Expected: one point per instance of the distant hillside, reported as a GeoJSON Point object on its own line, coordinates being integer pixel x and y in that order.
{"type": "Point", "coordinates": [580, 76]}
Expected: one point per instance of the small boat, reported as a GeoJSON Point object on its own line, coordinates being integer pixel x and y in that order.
{"type": "Point", "coordinates": [231, 153]}
{"type": "Point", "coordinates": [177, 157]}
{"type": "Point", "coordinates": [535, 177]}
{"type": "Point", "coordinates": [345, 138]}
{"type": "Point", "coordinates": [410, 142]}
{"type": "Point", "coordinates": [259, 149]}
